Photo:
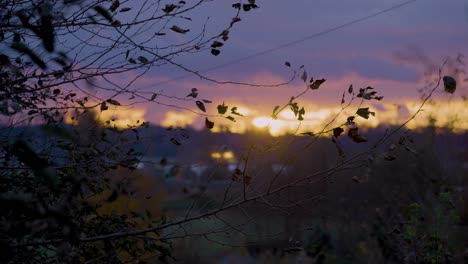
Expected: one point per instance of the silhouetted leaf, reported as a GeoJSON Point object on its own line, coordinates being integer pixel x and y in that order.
{"type": "Point", "coordinates": [104, 13]}
{"type": "Point", "coordinates": [216, 44]}
{"type": "Point", "coordinates": [287, 64]}
{"type": "Point", "coordinates": [125, 9]}
{"type": "Point", "coordinates": [364, 112]}
{"type": "Point", "coordinates": [153, 97]}
{"type": "Point", "coordinates": [233, 21]}
{"type": "Point", "coordinates": [247, 179]}
{"type": "Point", "coordinates": [143, 60]}
{"type": "Point", "coordinates": [200, 105]}
{"type": "Point", "coordinates": [114, 5]}
{"type": "Point", "coordinates": [175, 142]}
{"type": "Point", "coordinates": [337, 131]}
{"type": "Point", "coordinates": [231, 118]}
{"type": "Point", "coordinates": [222, 109]}
{"type": "Point", "coordinates": [274, 114]}
{"type": "Point", "coordinates": [104, 106]}
{"type": "Point", "coordinates": [179, 30]}
{"type": "Point", "coordinates": [307, 134]}
{"type": "Point", "coordinates": [450, 84]}
{"type": "Point", "coordinates": [113, 196]}
{"type": "Point", "coordinates": [169, 8]}
{"type": "Point", "coordinates": [116, 23]}
{"type": "Point", "coordinates": [350, 89]}
{"type": "Point", "coordinates": [356, 179]}
{"type": "Point", "coordinates": [208, 123]}
{"type": "Point", "coordinates": [215, 52]}
{"type": "Point", "coordinates": [22, 48]}
{"type": "Point", "coordinates": [113, 102]}
{"type": "Point", "coordinates": [193, 93]}
{"type": "Point", "coordinates": [304, 76]}
{"type": "Point", "coordinates": [389, 157]}
{"type": "Point", "coordinates": [355, 136]}
{"type": "Point", "coordinates": [235, 112]}
{"type": "Point", "coordinates": [316, 84]}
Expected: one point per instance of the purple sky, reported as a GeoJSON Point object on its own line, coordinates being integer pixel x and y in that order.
{"type": "Point", "coordinates": [389, 52]}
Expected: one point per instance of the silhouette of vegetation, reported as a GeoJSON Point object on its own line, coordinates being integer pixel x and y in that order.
{"type": "Point", "coordinates": [75, 189]}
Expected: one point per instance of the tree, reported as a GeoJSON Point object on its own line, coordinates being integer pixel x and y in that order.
{"type": "Point", "coordinates": [65, 193]}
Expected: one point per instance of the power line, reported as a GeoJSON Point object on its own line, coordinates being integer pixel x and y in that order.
{"type": "Point", "coordinates": [292, 43]}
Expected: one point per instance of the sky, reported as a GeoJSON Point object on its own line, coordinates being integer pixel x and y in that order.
{"type": "Point", "coordinates": [396, 52]}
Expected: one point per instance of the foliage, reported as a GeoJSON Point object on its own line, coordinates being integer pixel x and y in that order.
{"type": "Point", "coordinates": [73, 192]}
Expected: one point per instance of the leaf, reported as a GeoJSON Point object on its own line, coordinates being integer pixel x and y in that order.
{"type": "Point", "coordinates": [169, 8]}
{"type": "Point", "coordinates": [215, 52]}
{"type": "Point", "coordinates": [247, 179]}
{"type": "Point", "coordinates": [22, 48]}
{"type": "Point", "coordinates": [316, 84]}
{"type": "Point", "coordinates": [364, 112]}
{"type": "Point", "coordinates": [193, 93]}
{"type": "Point", "coordinates": [355, 136]}
{"type": "Point", "coordinates": [234, 111]}
{"type": "Point", "coordinates": [274, 115]}
{"type": "Point", "coordinates": [104, 106]}
{"type": "Point", "coordinates": [301, 114]}
{"type": "Point", "coordinates": [356, 179]}
{"type": "Point", "coordinates": [216, 44]}
{"type": "Point", "coordinates": [200, 106]}
{"type": "Point", "coordinates": [143, 60]}
{"type": "Point", "coordinates": [104, 13]}
{"type": "Point", "coordinates": [311, 134]}
{"type": "Point", "coordinates": [304, 76]}
{"type": "Point", "coordinates": [222, 109]}
{"type": "Point", "coordinates": [208, 123]}
{"type": "Point", "coordinates": [337, 131]}
{"type": "Point", "coordinates": [389, 157]}
{"type": "Point", "coordinates": [231, 118]}
{"type": "Point", "coordinates": [153, 97]}
{"type": "Point", "coordinates": [207, 101]}
{"type": "Point", "coordinates": [113, 196]}
{"type": "Point", "coordinates": [175, 142]}
{"type": "Point", "coordinates": [350, 89]}
{"type": "Point", "coordinates": [179, 30]}
{"type": "Point", "coordinates": [235, 20]}
{"type": "Point", "coordinates": [236, 5]}
{"type": "Point", "coordinates": [113, 102]}
{"type": "Point", "coordinates": [287, 64]}
{"type": "Point", "coordinates": [411, 150]}
{"type": "Point", "coordinates": [246, 7]}
{"type": "Point", "coordinates": [450, 84]}
{"type": "Point", "coordinates": [114, 6]}
{"type": "Point", "coordinates": [125, 9]}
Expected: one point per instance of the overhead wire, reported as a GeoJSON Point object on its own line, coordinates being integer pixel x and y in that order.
{"type": "Point", "coordinates": [292, 43]}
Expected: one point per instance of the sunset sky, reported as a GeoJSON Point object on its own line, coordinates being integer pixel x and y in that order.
{"type": "Point", "coordinates": [390, 52]}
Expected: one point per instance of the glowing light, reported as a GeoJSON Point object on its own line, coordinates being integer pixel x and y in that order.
{"type": "Point", "coordinates": [177, 119]}
{"type": "Point", "coordinates": [261, 122]}
{"type": "Point", "coordinates": [228, 155]}
{"type": "Point", "coordinates": [216, 155]}
{"type": "Point", "coordinates": [287, 115]}
{"type": "Point", "coordinates": [122, 118]}
{"type": "Point", "coordinates": [224, 156]}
